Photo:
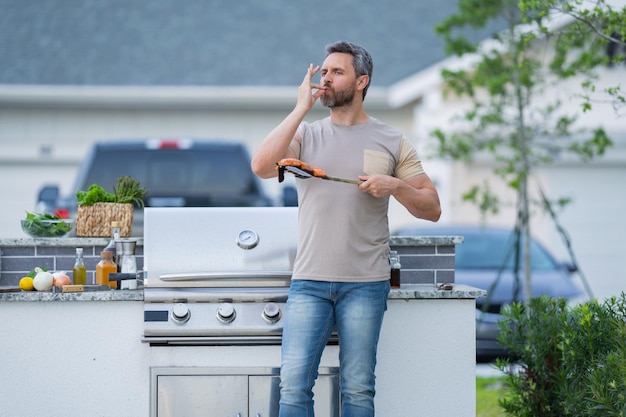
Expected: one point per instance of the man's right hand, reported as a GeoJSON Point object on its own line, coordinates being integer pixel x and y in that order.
{"type": "Point", "coordinates": [306, 96]}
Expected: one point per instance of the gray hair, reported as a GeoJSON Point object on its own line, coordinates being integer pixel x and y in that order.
{"type": "Point", "coordinates": [361, 59]}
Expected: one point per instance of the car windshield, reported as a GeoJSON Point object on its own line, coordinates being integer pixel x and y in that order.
{"type": "Point", "coordinates": [175, 172]}
{"type": "Point", "coordinates": [491, 251]}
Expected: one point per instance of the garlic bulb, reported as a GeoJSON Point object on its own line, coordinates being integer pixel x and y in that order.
{"type": "Point", "coordinates": [60, 278]}
{"type": "Point", "coordinates": [43, 280]}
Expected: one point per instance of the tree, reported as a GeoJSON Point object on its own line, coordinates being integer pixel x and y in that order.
{"type": "Point", "coordinates": [505, 118]}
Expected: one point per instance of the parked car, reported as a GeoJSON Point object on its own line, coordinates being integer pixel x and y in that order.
{"type": "Point", "coordinates": [175, 173]}
{"type": "Point", "coordinates": [485, 260]}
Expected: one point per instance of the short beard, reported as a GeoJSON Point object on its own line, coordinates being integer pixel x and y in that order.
{"type": "Point", "coordinates": [341, 98]}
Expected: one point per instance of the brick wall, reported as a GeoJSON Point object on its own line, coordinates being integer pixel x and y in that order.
{"type": "Point", "coordinates": [424, 260]}
{"type": "Point", "coordinates": [17, 260]}
{"type": "Point", "coordinates": [426, 264]}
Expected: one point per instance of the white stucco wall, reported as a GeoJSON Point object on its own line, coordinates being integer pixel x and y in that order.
{"type": "Point", "coordinates": [86, 359]}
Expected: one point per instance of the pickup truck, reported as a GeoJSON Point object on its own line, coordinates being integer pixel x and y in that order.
{"type": "Point", "coordinates": [175, 173]}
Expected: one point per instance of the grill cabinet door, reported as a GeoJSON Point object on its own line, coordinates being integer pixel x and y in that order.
{"type": "Point", "coordinates": [232, 392]}
{"type": "Point", "coordinates": [202, 395]}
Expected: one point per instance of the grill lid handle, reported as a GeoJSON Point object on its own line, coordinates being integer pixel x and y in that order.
{"type": "Point", "coordinates": [232, 275]}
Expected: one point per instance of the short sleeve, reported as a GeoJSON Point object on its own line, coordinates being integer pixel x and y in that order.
{"type": "Point", "coordinates": [409, 164]}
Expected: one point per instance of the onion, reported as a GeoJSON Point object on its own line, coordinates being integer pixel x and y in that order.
{"type": "Point", "coordinates": [61, 278]}
{"type": "Point", "coordinates": [43, 280]}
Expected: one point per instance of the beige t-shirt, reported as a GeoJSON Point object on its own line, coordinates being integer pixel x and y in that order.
{"type": "Point", "coordinates": [344, 232]}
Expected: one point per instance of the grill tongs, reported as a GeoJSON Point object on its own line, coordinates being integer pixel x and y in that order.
{"type": "Point", "coordinates": [303, 170]}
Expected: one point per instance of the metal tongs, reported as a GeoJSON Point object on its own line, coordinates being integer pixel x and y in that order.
{"type": "Point", "coordinates": [300, 173]}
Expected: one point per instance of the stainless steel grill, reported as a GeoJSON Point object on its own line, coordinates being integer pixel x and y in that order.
{"type": "Point", "coordinates": [217, 275]}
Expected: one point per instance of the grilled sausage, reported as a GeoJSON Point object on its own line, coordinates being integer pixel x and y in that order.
{"type": "Point", "coordinates": [318, 172]}
{"type": "Point", "coordinates": [315, 171]}
{"type": "Point", "coordinates": [293, 162]}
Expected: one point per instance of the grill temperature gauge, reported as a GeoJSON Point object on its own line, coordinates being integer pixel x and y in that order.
{"type": "Point", "coordinates": [247, 239]}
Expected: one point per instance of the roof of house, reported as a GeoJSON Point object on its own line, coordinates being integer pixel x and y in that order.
{"type": "Point", "coordinates": [209, 42]}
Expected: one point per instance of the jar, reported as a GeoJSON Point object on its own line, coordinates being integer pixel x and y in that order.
{"type": "Point", "coordinates": [105, 267]}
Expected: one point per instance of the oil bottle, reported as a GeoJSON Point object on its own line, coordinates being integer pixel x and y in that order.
{"type": "Point", "coordinates": [79, 273]}
{"type": "Point", "coordinates": [105, 267]}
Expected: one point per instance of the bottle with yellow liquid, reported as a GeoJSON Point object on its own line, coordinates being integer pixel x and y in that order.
{"type": "Point", "coordinates": [105, 267]}
{"type": "Point", "coordinates": [79, 273]}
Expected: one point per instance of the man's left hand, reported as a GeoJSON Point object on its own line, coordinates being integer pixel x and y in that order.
{"type": "Point", "coordinates": [378, 185]}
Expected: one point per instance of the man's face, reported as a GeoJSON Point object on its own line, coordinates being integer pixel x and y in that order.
{"type": "Point", "coordinates": [339, 78]}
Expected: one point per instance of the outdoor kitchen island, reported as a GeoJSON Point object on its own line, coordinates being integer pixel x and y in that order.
{"type": "Point", "coordinates": [82, 354]}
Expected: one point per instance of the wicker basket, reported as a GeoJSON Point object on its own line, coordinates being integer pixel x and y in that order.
{"type": "Point", "coordinates": [95, 220]}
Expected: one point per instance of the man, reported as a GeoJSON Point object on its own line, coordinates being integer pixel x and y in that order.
{"type": "Point", "coordinates": [341, 272]}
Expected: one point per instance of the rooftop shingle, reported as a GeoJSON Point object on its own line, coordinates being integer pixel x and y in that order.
{"type": "Point", "coordinates": [209, 42]}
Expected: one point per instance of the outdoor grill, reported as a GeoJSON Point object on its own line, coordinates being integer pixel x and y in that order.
{"type": "Point", "coordinates": [217, 276]}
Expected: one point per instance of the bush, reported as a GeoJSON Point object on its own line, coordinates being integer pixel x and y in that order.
{"type": "Point", "coordinates": [572, 360]}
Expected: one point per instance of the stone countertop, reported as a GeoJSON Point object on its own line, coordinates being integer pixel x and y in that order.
{"type": "Point", "coordinates": [110, 295]}
{"type": "Point", "coordinates": [94, 241]}
{"type": "Point", "coordinates": [61, 241]}
{"type": "Point", "coordinates": [425, 240]}
{"type": "Point", "coordinates": [406, 292]}
{"type": "Point", "coordinates": [428, 291]}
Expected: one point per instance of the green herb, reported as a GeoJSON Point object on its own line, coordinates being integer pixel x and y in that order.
{"type": "Point", "coordinates": [129, 190]}
{"type": "Point", "coordinates": [94, 194]}
{"type": "Point", "coordinates": [33, 273]}
{"type": "Point", "coordinates": [126, 191]}
{"type": "Point", "coordinates": [45, 225]}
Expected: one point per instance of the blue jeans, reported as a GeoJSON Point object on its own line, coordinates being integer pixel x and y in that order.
{"type": "Point", "coordinates": [313, 310]}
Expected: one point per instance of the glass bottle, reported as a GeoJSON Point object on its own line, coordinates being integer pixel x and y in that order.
{"type": "Point", "coordinates": [105, 267]}
{"type": "Point", "coordinates": [79, 273]}
{"type": "Point", "coordinates": [115, 235]}
{"type": "Point", "coordinates": [394, 261]}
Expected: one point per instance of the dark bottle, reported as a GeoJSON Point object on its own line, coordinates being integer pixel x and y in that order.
{"type": "Point", "coordinates": [394, 261]}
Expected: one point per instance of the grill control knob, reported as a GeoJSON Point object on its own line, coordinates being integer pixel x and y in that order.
{"type": "Point", "coordinates": [226, 313]}
{"type": "Point", "coordinates": [271, 313]}
{"type": "Point", "coordinates": [180, 313]}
